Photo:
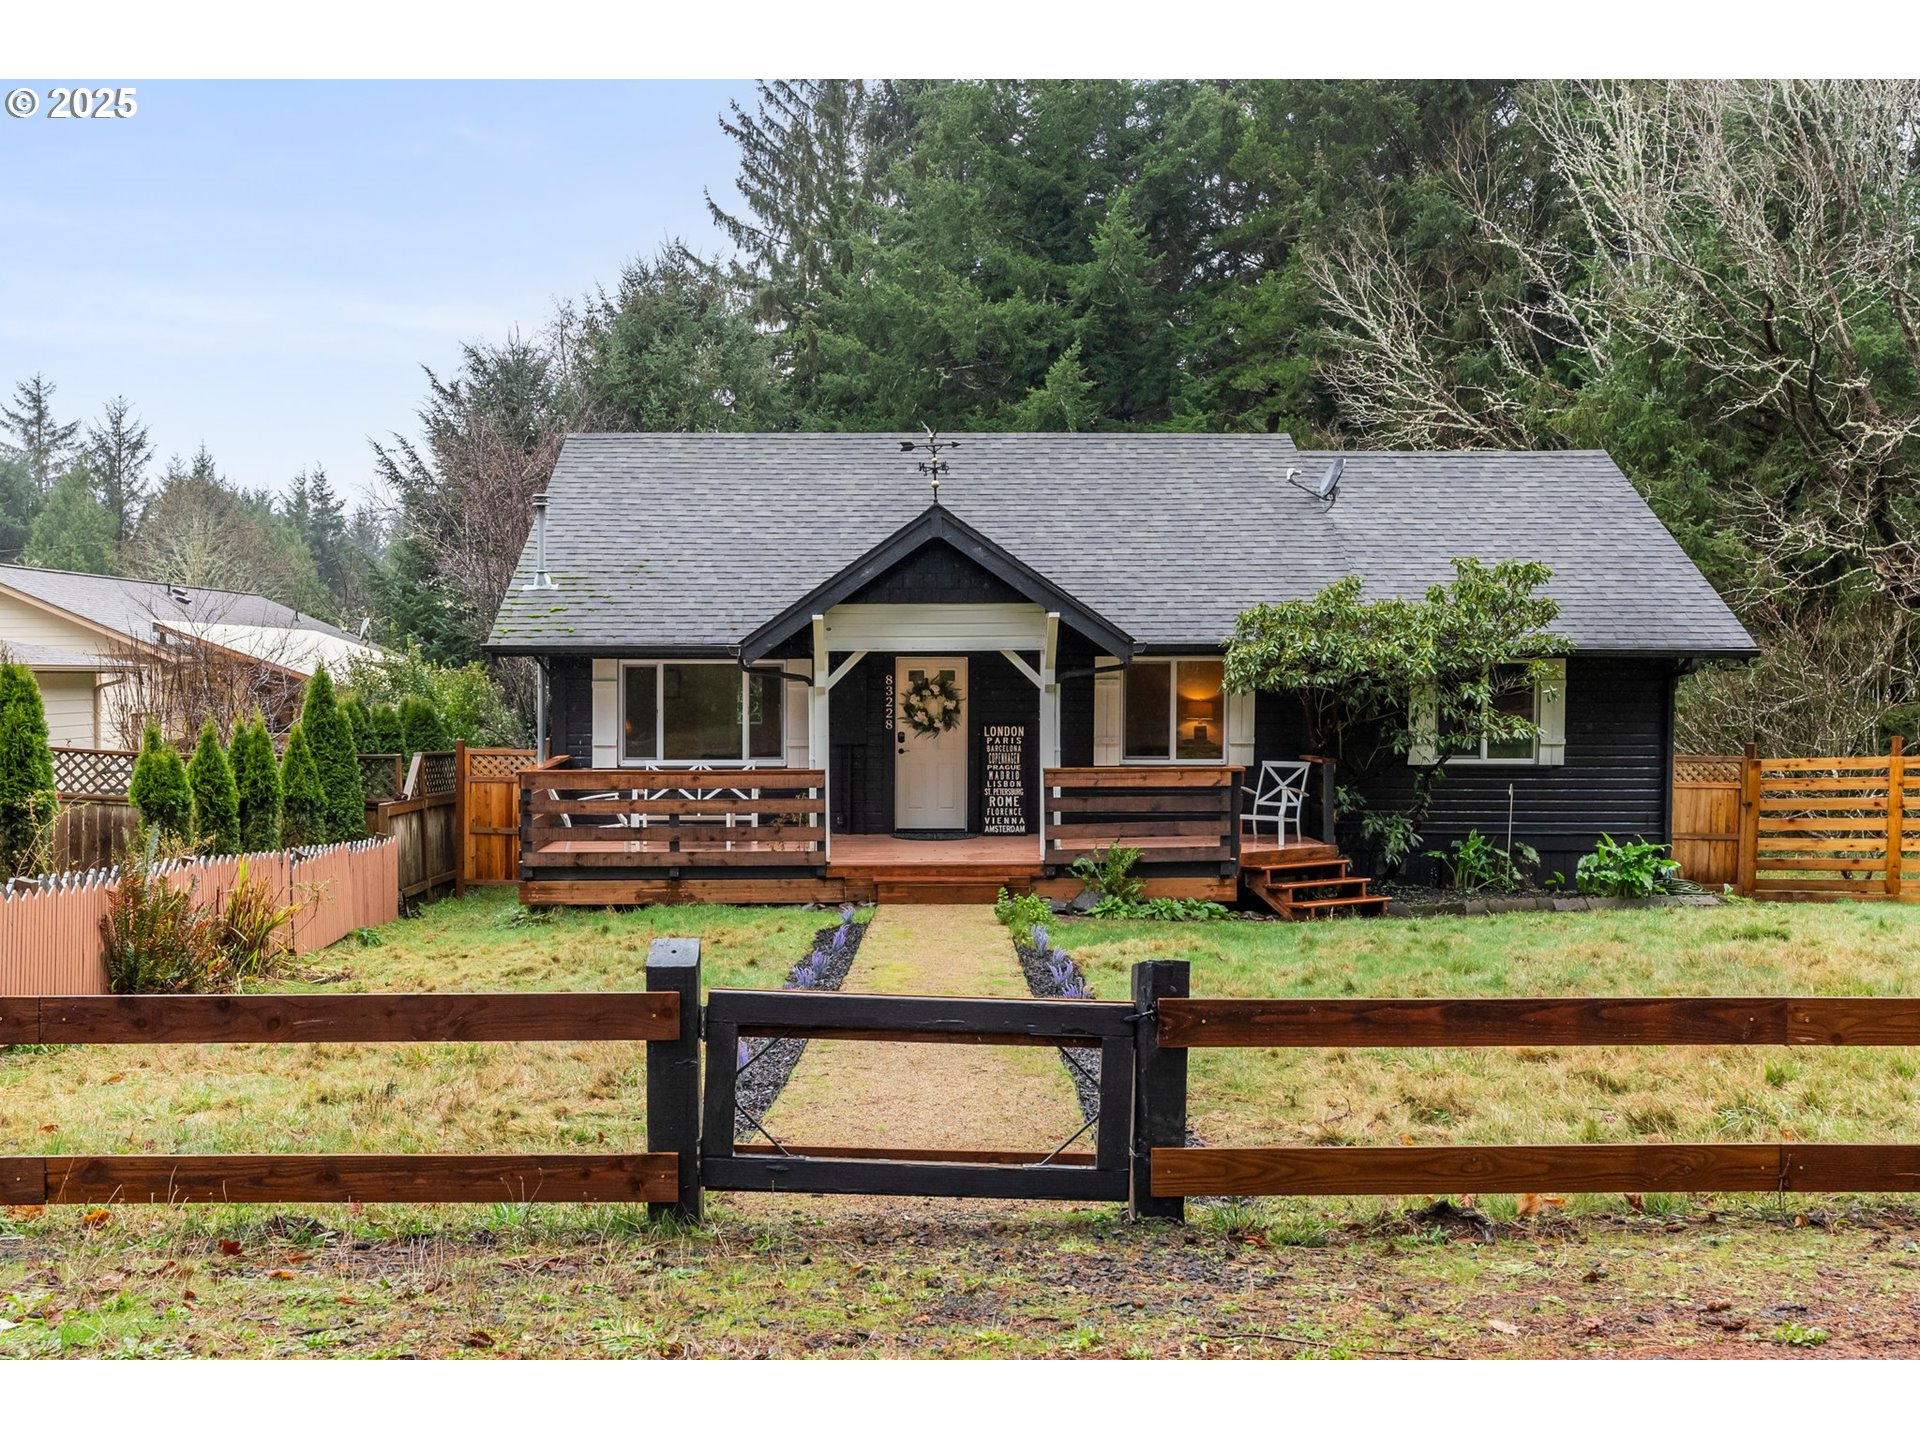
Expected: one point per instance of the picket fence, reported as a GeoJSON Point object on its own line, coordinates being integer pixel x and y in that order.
{"type": "Point", "coordinates": [50, 936]}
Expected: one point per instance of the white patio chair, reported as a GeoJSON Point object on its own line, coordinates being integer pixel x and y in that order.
{"type": "Point", "coordinates": [1278, 797]}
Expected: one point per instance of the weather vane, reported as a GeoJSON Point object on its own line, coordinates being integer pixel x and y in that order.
{"type": "Point", "coordinates": [933, 467]}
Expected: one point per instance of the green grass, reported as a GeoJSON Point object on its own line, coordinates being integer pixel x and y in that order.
{"type": "Point", "coordinates": [207, 1099]}
{"type": "Point", "coordinates": [1384, 1097]}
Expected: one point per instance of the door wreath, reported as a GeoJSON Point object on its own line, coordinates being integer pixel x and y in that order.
{"type": "Point", "coordinates": [931, 705]}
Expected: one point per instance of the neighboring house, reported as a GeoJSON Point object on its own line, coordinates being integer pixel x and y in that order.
{"type": "Point", "coordinates": [108, 652]}
{"type": "Point", "coordinates": [766, 600]}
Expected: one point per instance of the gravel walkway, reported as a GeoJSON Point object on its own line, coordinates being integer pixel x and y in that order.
{"type": "Point", "coordinates": [850, 1092]}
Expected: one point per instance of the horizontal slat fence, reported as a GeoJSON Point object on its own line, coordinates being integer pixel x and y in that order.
{"type": "Point", "coordinates": [1181, 1023]}
{"type": "Point", "coordinates": [668, 822]}
{"type": "Point", "coordinates": [1185, 815]}
{"type": "Point", "coordinates": [50, 929]}
{"type": "Point", "coordinates": [656, 1015]}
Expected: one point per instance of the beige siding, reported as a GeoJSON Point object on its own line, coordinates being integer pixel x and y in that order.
{"type": "Point", "coordinates": [25, 624]}
{"type": "Point", "coordinates": [68, 697]}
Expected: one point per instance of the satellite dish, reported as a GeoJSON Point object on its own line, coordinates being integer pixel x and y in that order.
{"type": "Point", "coordinates": [1328, 487]}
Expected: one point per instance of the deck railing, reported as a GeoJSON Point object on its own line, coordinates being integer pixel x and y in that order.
{"type": "Point", "coordinates": [1185, 815]}
{"type": "Point", "coordinates": [668, 821]}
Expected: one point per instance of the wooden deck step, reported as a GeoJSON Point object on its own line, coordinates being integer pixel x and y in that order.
{"type": "Point", "coordinates": [1352, 904]}
{"type": "Point", "coordinates": [1310, 886]}
{"type": "Point", "coordinates": [1294, 891]}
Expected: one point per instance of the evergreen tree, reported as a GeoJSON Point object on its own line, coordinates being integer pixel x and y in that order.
{"type": "Point", "coordinates": [159, 788]}
{"type": "Point", "coordinates": [118, 453]}
{"type": "Point", "coordinates": [318, 518]}
{"type": "Point", "coordinates": [359, 725]}
{"type": "Point", "coordinates": [304, 819]}
{"type": "Point", "coordinates": [45, 444]}
{"type": "Point", "coordinates": [27, 796]}
{"type": "Point", "coordinates": [73, 531]}
{"type": "Point", "coordinates": [420, 726]}
{"type": "Point", "coordinates": [256, 779]}
{"type": "Point", "coordinates": [216, 800]}
{"type": "Point", "coordinates": [19, 503]}
{"type": "Point", "coordinates": [385, 734]}
{"type": "Point", "coordinates": [334, 759]}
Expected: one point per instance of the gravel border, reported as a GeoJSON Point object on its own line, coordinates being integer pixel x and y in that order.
{"type": "Point", "coordinates": [760, 1086]}
{"type": "Point", "coordinates": [1509, 904]}
{"type": "Point", "coordinates": [1085, 1075]}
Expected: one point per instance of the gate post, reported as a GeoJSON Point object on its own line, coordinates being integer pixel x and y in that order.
{"type": "Point", "coordinates": [1749, 855]}
{"type": "Point", "coordinates": [1896, 814]}
{"type": "Point", "coordinates": [673, 1075]}
{"type": "Point", "coordinates": [1159, 1087]}
{"type": "Point", "coordinates": [461, 818]}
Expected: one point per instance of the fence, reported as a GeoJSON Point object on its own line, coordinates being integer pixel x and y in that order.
{"type": "Point", "coordinates": [655, 1016]}
{"type": "Point", "coordinates": [92, 774]}
{"type": "Point", "coordinates": [487, 823]}
{"type": "Point", "coordinates": [1187, 815]}
{"type": "Point", "coordinates": [50, 938]}
{"type": "Point", "coordinates": [1141, 1151]}
{"type": "Point", "coordinates": [1814, 828]}
{"type": "Point", "coordinates": [422, 822]}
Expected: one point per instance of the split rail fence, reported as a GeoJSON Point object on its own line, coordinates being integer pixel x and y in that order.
{"type": "Point", "coordinates": [1141, 1154]}
{"type": "Point", "coordinates": [1812, 828]}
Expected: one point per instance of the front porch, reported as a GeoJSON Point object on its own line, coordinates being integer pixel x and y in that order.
{"type": "Point", "coordinates": [620, 837]}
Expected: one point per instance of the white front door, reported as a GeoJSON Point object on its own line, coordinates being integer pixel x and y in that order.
{"type": "Point", "coordinates": [930, 770]}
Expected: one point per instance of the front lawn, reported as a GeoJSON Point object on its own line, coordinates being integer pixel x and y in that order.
{"type": "Point", "coordinates": [1385, 1097]}
{"type": "Point", "coordinates": [527, 1097]}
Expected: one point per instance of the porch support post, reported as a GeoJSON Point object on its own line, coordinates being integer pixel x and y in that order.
{"type": "Point", "coordinates": [818, 754]}
{"type": "Point", "coordinates": [1050, 694]}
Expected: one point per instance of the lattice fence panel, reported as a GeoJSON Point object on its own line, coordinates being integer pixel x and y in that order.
{"type": "Point", "coordinates": [381, 776]}
{"type": "Point", "coordinates": [437, 767]}
{"type": "Point", "coordinates": [1706, 769]}
{"type": "Point", "coordinates": [93, 772]}
{"type": "Point", "coordinates": [493, 764]}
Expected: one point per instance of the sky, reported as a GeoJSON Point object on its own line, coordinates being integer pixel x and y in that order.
{"type": "Point", "coordinates": [265, 267]}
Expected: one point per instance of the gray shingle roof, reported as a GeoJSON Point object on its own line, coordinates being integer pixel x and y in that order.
{"type": "Point", "coordinates": [662, 541]}
{"type": "Point", "coordinates": [136, 607]}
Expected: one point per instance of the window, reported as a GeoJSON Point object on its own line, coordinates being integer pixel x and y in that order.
{"type": "Point", "coordinates": [1544, 703]}
{"type": "Point", "coordinates": [1176, 710]}
{"type": "Point", "coordinates": [693, 712]}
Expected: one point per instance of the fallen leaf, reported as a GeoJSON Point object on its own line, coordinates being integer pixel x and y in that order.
{"type": "Point", "coordinates": [115, 1078]}
{"type": "Point", "coordinates": [345, 1300]}
{"type": "Point", "coordinates": [188, 1296]}
{"type": "Point", "coordinates": [480, 1340]}
{"type": "Point", "coordinates": [95, 1219]}
{"type": "Point", "coordinates": [230, 1247]}
{"type": "Point", "coordinates": [1715, 1307]}
{"type": "Point", "coordinates": [280, 1274]}
{"type": "Point", "coordinates": [1505, 1327]}
{"type": "Point", "coordinates": [20, 1214]}
{"type": "Point", "coordinates": [1528, 1205]}
{"type": "Point", "coordinates": [1635, 1202]}
{"type": "Point", "coordinates": [49, 1129]}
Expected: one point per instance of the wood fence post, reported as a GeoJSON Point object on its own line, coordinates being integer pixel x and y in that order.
{"type": "Point", "coordinates": [459, 818]}
{"type": "Point", "coordinates": [1896, 813]}
{"type": "Point", "coordinates": [1748, 863]}
{"type": "Point", "coordinates": [673, 1076]}
{"type": "Point", "coordinates": [1159, 1087]}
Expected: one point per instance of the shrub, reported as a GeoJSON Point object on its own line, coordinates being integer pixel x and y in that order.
{"type": "Point", "coordinates": [1020, 913]}
{"type": "Point", "coordinates": [159, 788]}
{"type": "Point", "coordinates": [250, 925]}
{"type": "Point", "coordinates": [420, 726]}
{"type": "Point", "coordinates": [385, 735]}
{"type": "Point", "coordinates": [159, 940]}
{"type": "Point", "coordinates": [471, 706]}
{"type": "Point", "coordinates": [27, 797]}
{"type": "Point", "coordinates": [1476, 864]}
{"type": "Point", "coordinates": [335, 760]}
{"type": "Point", "coordinates": [216, 801]}
{"type": "Point", "coordinates": [1110, 872]}
{"type": "Point", "coordinates": [303, 804]}
{"type": "Point", "coordinates": [1163, 907]}
{"type": "Point", "coordinates": [1633, 870]}
{"type": "Point", "coordinates": [256, 776]}
{"type": "Point", "coordinates": [359, 724]}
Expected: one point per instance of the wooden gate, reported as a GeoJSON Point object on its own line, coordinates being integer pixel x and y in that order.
{"type": "Point", "coordinates": [487, 807]}
{"type": "Point", "coordinates": [1828, 828]}
{"type": "Point", "coordinates": [1706, 818]}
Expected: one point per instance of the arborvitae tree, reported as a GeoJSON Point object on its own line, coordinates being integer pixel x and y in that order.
{"type": "Point", "coordinates": [420, 726]}
{"type": "Point", "coordinates": [303, 815]}
{"type": "Point", "coordinates": [385, 734]}
{"type": "Point", "coordinates": [359, 724]}
{"type": "Point", "coordinates": [256, 776]}
{"type": "Point", "coordinates": [335, 759]}
{"type": "Point", "coordinates": [27, 797]}
{"type": "Point", "coordinates": [216, 801]}
{"type": "Point", "coordinates": [159, 789]}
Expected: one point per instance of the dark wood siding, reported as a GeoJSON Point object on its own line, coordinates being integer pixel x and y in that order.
{"type": "Point", "coordinates": [860, 772]}
{"type": "Point", "coordinates": [570, 710]}
{"type": "Point", "coordinates": [1616, 778]}
{"type": "Point", "coordinates": [1076, 698]}
{"type": "Point", "coordinates": [936, 573]}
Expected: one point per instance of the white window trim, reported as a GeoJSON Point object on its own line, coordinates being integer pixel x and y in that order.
{"type": "Point", "coordinates": [1173, 712]}
{"type": "Point", "coordinates": [660, 720]}
{"type": "Point", "coordinates": [1549, 713]}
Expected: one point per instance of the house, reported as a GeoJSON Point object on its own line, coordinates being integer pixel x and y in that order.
{"type": "Point", "coordinates": [1057, 609]}
{"type": "Point", "coordinates": [109, 653]}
